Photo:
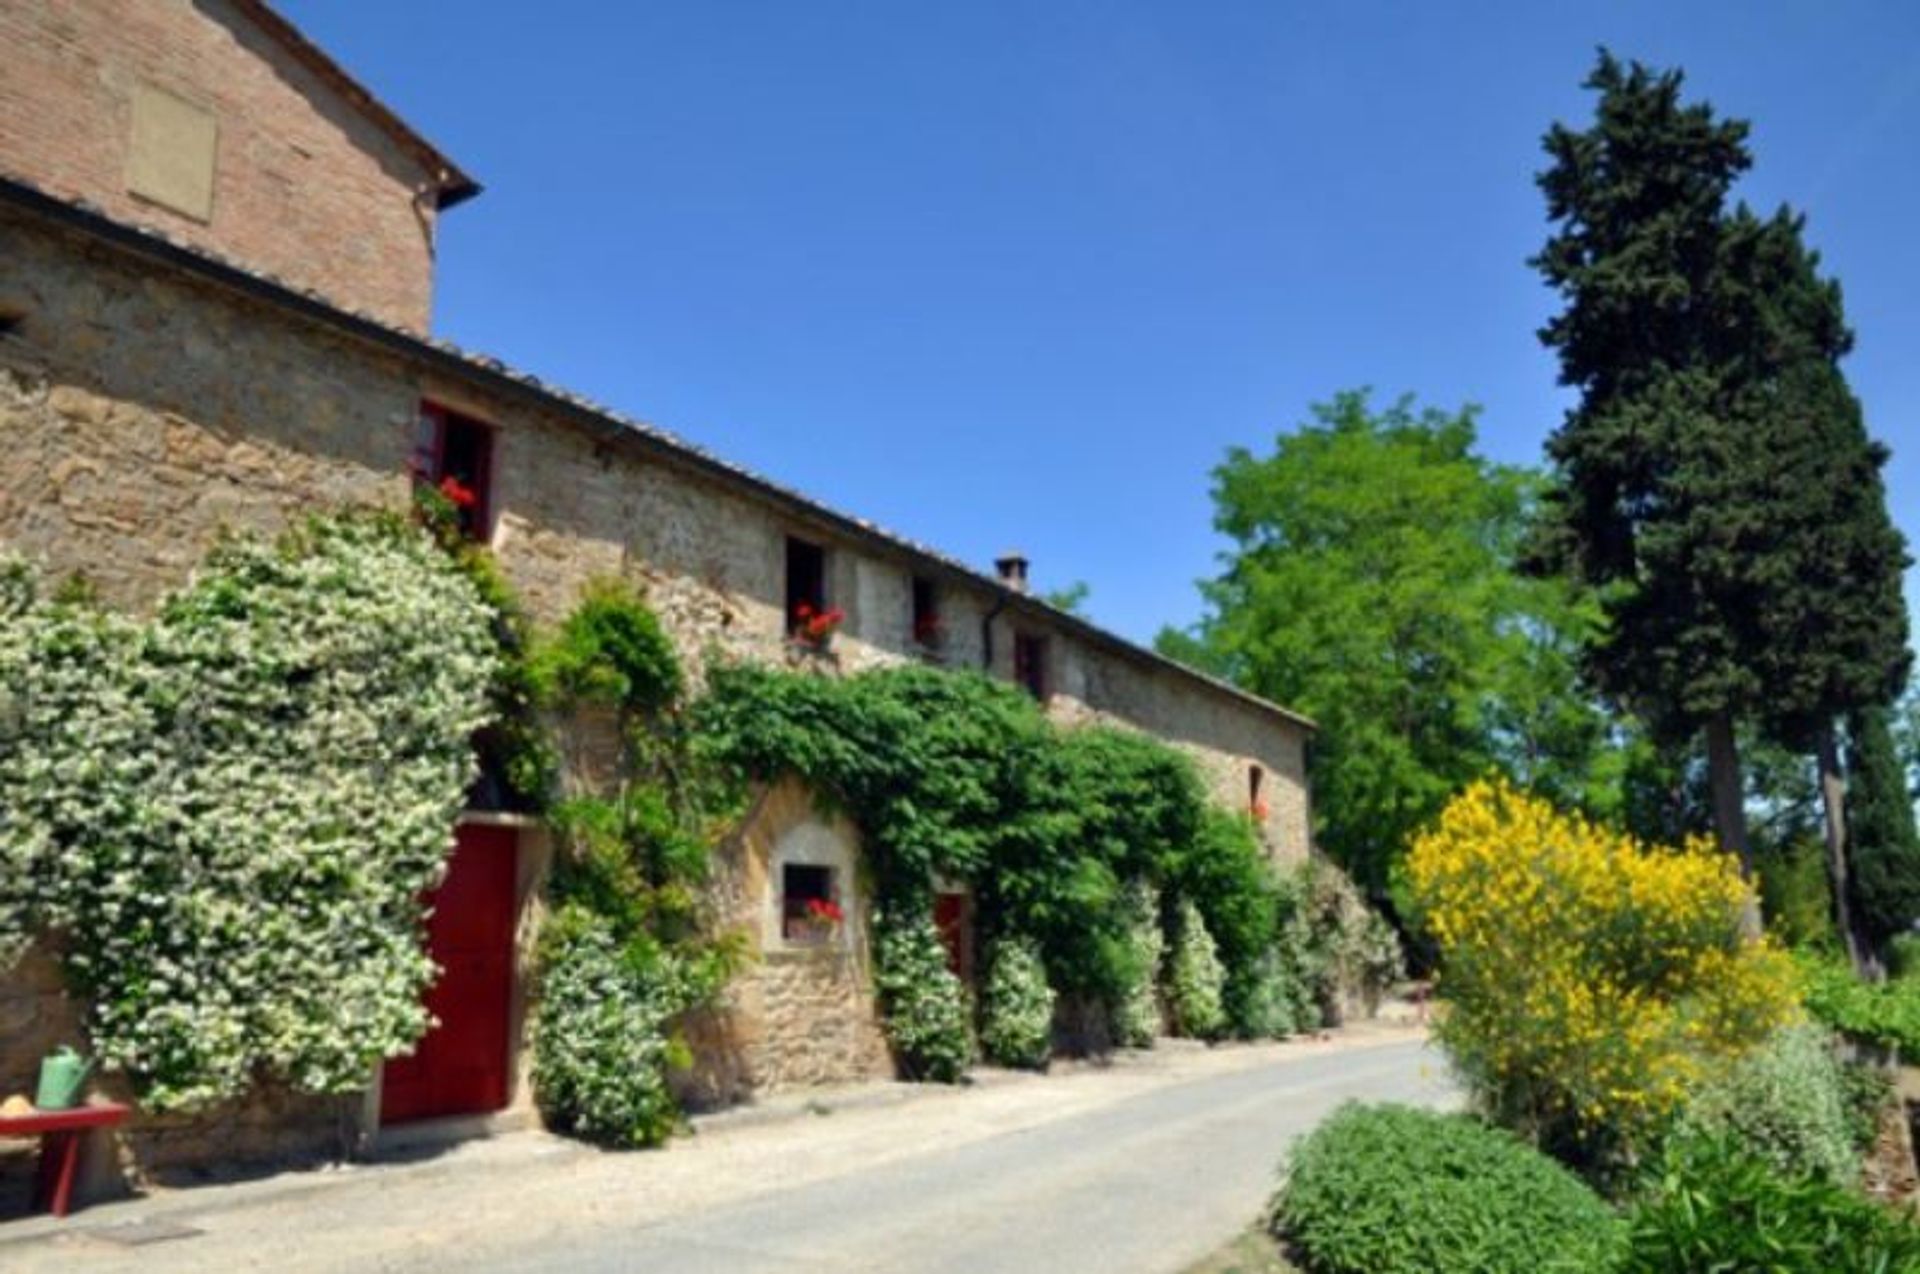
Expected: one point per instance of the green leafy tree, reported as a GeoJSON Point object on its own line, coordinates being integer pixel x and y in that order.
{"type": "Point", "coordinates": [1710, 481]}
{"type": "Point", "coordinates": [1832, 621]}
{"type": "Point", "coordinates": [1885, 849]}
{"type": "Point", "coordinates": [1647, 465]}
{"type": "Point", "coordinates": [1907, 738]}
{"type": "Point", "coordinates": [1071, 599]}
{"type": "Point", "coordinates": [1370, 583]}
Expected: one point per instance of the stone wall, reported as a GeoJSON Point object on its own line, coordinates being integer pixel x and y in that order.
{"type": "Point", "coordinates": [798, 1016]}
{"type": "Point", "coordinates": [144, 411]}
{"type": "Point", "coordinates": [303, 185]}
{"type": "Point", "coordinates": [1224, 738]}
{"type": "Point", "coordinates": [270, 1126]}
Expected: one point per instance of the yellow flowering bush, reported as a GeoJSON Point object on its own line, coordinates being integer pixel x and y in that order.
{"type": "Point", "coordinates": [1590, 980]}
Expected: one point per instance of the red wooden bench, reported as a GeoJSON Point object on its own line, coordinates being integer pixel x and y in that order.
{"type": "Point", "coordinates": [60, 1135]}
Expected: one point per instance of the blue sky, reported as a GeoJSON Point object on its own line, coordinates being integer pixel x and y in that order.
{"type": "Point", "coordinates": [1017, 274]}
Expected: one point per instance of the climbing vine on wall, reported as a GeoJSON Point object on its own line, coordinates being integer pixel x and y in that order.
{"type": "Point", "coordinates": [1059, 830]}
{"type": "Point", "coordinates": [224, 816]}
{"type": "Point", "coordinates": [633, 944]}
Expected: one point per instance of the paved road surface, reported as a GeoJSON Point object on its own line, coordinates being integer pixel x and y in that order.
{"type": "Point", "coordinates": [1144, 1167]}
{"type": "Point", "coordinates": [1148, 1184]}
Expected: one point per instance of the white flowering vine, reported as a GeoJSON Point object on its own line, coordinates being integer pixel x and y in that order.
{"type": "Point", "coordinates": [225, 817]}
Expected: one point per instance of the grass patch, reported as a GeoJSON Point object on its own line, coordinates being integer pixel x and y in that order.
{"type": "Point", "coordinates": [1253, 1252]}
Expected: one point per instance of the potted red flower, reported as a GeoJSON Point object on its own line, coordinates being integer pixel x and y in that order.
{"type": "Point", "coordinates": [814, 627]}
{"type": "Point", "coordinates": [818, 920]}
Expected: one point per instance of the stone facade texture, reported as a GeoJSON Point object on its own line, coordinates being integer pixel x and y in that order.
{"type": "Point", "coordinates": [304, 185]}
{"type": "Point", "coordinates": [148, 406]}
{"type": "Point", "coordinates": [142, 413]}
{"type": "Point", "coordinates": [797, 1016]}
{"type": "Point", "coordinates": [270, 1124]}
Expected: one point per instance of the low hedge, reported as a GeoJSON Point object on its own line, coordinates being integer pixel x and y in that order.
{"type": "Point", "coordinates": [1882, 1013]}
{"type": "Point", "coordinates": [1393, 1190]}
{"type": "Point", "coordinates": [1713, 1205]}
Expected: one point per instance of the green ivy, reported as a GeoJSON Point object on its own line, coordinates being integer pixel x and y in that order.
{"type": "Point", "coordinates": [518, 760]}
{"type": "Point", "coordinates": [634, 944]}
{"type": "Point", "coordinates": [1057, 829]}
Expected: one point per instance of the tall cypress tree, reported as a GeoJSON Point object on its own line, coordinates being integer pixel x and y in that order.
{"type": "Point", "coordinates": [1886, 847]}
{"type": "Point", "coordinates": [1827, 564]}
{"type": "Point", "coordinates": [1652, 467]}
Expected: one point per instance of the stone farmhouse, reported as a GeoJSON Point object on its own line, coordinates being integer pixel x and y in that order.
{"type": "Point", "coordinates": [216, 270]}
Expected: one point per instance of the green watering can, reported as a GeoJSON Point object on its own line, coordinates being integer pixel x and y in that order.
{"type": "Point", "coordinates": [62, 1072]}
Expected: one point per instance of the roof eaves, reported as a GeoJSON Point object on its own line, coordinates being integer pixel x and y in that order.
{"type": "Point", "coordinates": [452, 185]}
{"type": "Point", "coordinates": [596, 416]}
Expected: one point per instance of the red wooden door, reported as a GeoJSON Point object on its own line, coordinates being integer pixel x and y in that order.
{"type": "Point", "coordinates": [950, 918]}
{"type": "Point", "coordinates": [460, 1066]}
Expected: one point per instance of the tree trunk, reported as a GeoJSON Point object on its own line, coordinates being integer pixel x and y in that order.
{"type": "Point", "coordinates": [1833, 806]}
{"type": "Point", "coordinates": [1729, 804]}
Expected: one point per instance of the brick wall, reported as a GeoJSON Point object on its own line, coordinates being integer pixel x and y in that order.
{"type": "Point", "coordinates": [304, 186]}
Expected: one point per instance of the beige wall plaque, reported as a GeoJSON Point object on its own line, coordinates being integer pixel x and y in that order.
{"type": "Point", "coordinates": [170, 155]}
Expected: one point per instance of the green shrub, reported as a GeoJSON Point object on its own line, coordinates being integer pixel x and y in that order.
{"type": "Point", "coordinates": [1302, 951]}
{"type": "Point", "coordinates": [1195, 980]}
{"type": "Point", "coordinates": [1137, 1019]}
{"type": "Point", "coordinates": [1591, 980]}
{"type": "Point", "coordinates": [601, 1049]}
{"type": "Point", "coordinates": [1393, 1190]}
{"type": "Point", "coordinates": [1794, 893]}
{"type": "Point", "coordinates": [1866, 1091]}
{"type": "Point", "coordinates": [1016, 1010]}
{"type": "Point", "coordinates": [632, 845]}
{"type": "Point", "coordinates": [1903, 956]}
{"type": "Point", "coordinates": [1344, 952]}
{"type": "Point", "coordinates": [1712, 1206]}
{"type": "Point", "coordinates": [1224, 874]}
{"type": "Point", "coordinates": [1784, 1102]}
{"type": "Point", "coordinates": [1886, 1014]}
{"type": "Point", "coordinates": [1260, 1001]}
{"type": "Point", "coordinates": [923, 1005]}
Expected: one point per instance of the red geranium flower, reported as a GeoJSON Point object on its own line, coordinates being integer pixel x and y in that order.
{"type": "Point", "coordinates": [816, 626]}
{"type": "Point", "coordinates": [461, 496]}
{"type": "Point", "coordinates": [824, 911]}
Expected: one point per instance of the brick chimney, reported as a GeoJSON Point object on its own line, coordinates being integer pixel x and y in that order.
{"type": "Point", "coordinates": [1013, 570]}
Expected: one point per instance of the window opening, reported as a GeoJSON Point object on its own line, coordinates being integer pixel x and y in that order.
{"type": "Point", "coordinates": [928, 628]}
{"type": "Point", "coordinates": [454, 453]}
{"type": "Point", "coordinates": [809, 913]}
{"type": "Point", "coordinates": [1030, 664]}
{"type": "Point", "coordinates": [806, 585]}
